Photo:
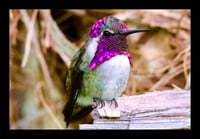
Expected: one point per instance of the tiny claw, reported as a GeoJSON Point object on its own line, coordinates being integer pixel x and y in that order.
{"type": "Point", "coordinates": [99, 103]}
{"type": "Point", "coordinates": [115, 102]}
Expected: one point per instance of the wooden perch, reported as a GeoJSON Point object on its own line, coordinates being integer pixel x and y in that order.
{"type": "Point", "coordinates": [156, 110]}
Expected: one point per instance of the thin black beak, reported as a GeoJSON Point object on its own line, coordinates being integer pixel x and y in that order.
{"type": "Point", "coordinates": [128, 32]}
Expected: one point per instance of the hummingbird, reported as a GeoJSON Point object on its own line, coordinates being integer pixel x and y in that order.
{"type": "Point", "coordinates": [99, 71]}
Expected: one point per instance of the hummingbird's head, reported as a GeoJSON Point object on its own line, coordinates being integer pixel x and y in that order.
{"type": "Point", "coordinates": [111, 36]}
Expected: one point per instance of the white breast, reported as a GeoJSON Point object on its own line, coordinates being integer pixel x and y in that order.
{"type": "Point", "coordinates": [116, 73]}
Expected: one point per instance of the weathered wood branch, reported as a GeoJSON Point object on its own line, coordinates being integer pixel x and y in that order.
{"type": "Point", "coordinates": [156, 110]}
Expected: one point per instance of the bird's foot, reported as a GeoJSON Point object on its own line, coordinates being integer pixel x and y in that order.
{"type": "Point", "coordinates": [114, 101]}
{"type": "Point", "coordinates": [98, 103]}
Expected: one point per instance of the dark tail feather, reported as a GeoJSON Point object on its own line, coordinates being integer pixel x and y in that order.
{"type": "Point", "coordinates": [67, 111]}
{"type": "Point", "coordinates": [73, 115]}
{"type": "Point", "coordinates": [84, 111]}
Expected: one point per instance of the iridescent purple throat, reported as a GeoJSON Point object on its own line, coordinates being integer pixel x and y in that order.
{"type": "Point", "coordinates": [99, 58]}
{"type": "Point", "coordinates": [109, 48]}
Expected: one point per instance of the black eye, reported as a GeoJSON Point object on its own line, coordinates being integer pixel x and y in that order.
{"type": "Point", "coordinates": [107, 33]}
